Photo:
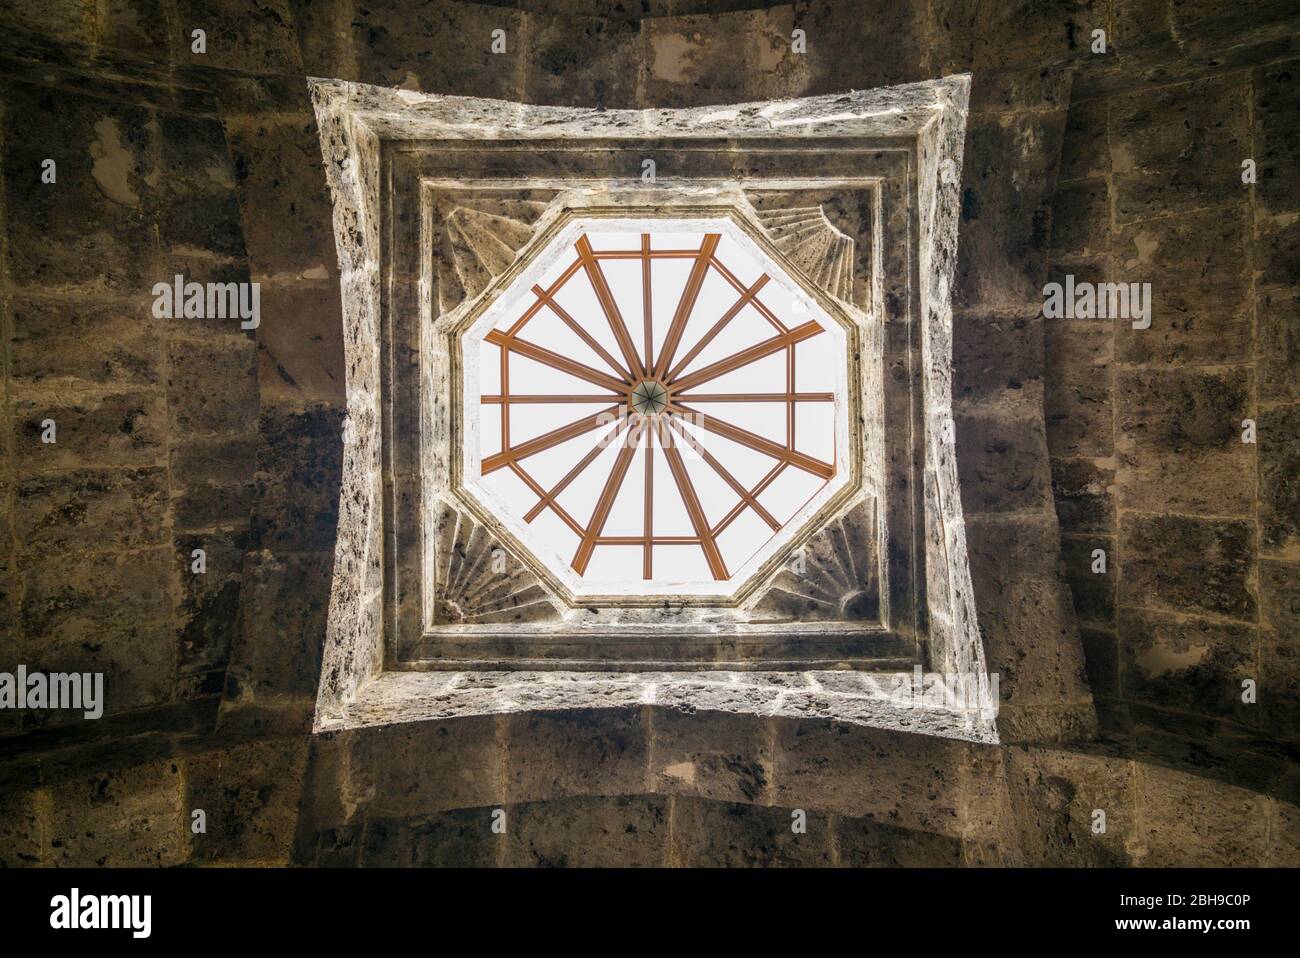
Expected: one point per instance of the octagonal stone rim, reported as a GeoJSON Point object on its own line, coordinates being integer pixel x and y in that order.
{"type": "Point", "coordinates": [844, 489]}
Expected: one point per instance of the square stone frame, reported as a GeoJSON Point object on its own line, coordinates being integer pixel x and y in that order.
{"type": "Point", "coordinates": [610, 611]}
{"type": "Point", "coordinates": [903, 142]}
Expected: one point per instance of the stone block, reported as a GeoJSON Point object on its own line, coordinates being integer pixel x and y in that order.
{"type": "Point", "coordinates": [623, 831]}
{"type": "Point", "coordinates": [864, 843]}
{"type": "Point", "coordinates": [724, 835]}
{"type": "Point", "coordinates": [578, 752]}
{"type": "Point", "coordinates": [1200, 309]}
{"type": "Point", "coordinates": [1082, 489]}
{"type": "Point", "coordinates": [1002, 462]}
{"type": "Point", "coordinates": [1178, 442]}
{"type": "Point", "coordinates": [1277, 344]}
{"type": "Point", "coordinates": [583, 61]}
{"type": "Point", "coordinates": [1186, 664]}
{"type": "Point", "coordinates": [1057, 796]}
{"type": "Point", "coordinates": [1094, 592]}
{"type": "Point", "coordinates": [1081, 218]}
{"type": "Point", "coordinates": [78, 594]}
{"type": "Point", "coordinates": [1079, 401]}
{"type": "Point", "coordinates": [121, 429]}
{"type": "Point", "coordinates": [284, 601]}
{"type": "Point", "coordinates": [462, 838]}
{"type": "Point", "coordinates": [250, 794]}
{"type": "Point", "coordinates": [1178, 148]}
{"type": "Point", "coordinates": [288, 224]}
{"type": "Point", "coordinates": [212, 386]}
{"type": "Point", "coordinates": [58, 341]}
{"type": "Point", "coordinates": [212, 482]}
{"type": "Point", "coordinates": [300, 343]}
{"type": "Point", "coordinates": [299, 470]}
{"type": "Point", "coordinates": [250, 36]}
{"type": "Point", "coordinates": [90, 229]}
{"type": "Point", "coordinates": [88, 509]}
{"type": "Point", "coordinates": [1189, 821]}
{"type": "Point", "coordinates": [1278, 438]}
{"type": "Point", "coordinates": [713, 755]}
{"type": "Point", "coordinates": [207, 615]}
{"type": "Point", "coordinates": [415, 769]}
{"type": "Point", "coordinates": [130, 817]}
{"type": "Point", "coordinates": [397, 46]}
{"type": "Point", "coordinates": [1185, 564]}
{"type": "Point", "coordinates": [1006, 220]}
{"type": "Point", "coordinates": [1276, 140]}
{"type": "Point", "coordinates": [995, 356]}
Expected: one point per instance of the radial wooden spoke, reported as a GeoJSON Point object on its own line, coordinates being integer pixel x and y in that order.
{"type": "Point", "coordinates": [494, 399]}
{"type": "Point", "coordinates": [609, 306]}
{"type": "Point", "coordinates": [585, 336]}
{"type": "Point", "coordinates": [553, 438]}
{"type": "Point", "coordinates": [603, 505]}
{"type": "Point", "coordinates": [757, 491]}
{"type": "Point", "coordinates": [647, 316]}
{"type": "Point", "coordinates": [531, 311]}
{"type": "Point", "coordinates": [647, 558]}
{"type": "Point", "coordinates": [686, 305]}
{"type": "Point", "coordinates": [756, 442]}
{"type": "Point", "coordinates": [563, 363]}
{"type": "Point", "coordinates": [746, 356]}
{"type": "Point", "coordinates": [549, 497]}
{"type": "Point", "coordinates": [766, 313]}
{"type": "Point", "coordinates": [656, 254]}
{"type": "Point", "coordinates": [720, 325]}
{"type": "Point", "coordinates": [750, 397]}
{"type": "Point", "coordinates": [727, 477]}
{"type": "Point", "coordinates": [696, 512]}
{"type": "Point", "coordinates": [536, 487]}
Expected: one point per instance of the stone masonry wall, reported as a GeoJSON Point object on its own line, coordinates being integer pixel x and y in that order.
{"type": "Point", "coordinates": [175, 435]}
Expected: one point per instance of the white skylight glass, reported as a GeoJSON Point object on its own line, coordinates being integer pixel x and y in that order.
{"type": "Point", "coordinates": [654, 406]}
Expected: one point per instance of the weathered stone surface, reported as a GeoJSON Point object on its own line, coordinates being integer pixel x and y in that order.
{"type": "Point", "coordinates": [1005, 221]}
{"type": "Point", "coordinates": [623, 832]}
{"type": "Point", "coordinates": [83, 509]}
{"type": "Point", "coordinates": [89, 229]}
{"type": "Point", "coordinates": [588, 752]}
{"type": "Point", "coordinates": [1184, 564]}
{"type": "Point", "coordinates": [715, 756]}
{"type": "Point", "coordinates": [1094, 592]}
{"type": "Point", "coordinates": [284, 596]}
{"type": "Point", "coordinates": [1178, 440]}
{"type": "Point", "coordinates": [1058, 795]}
{"type": "Point", "coordinates": [1178, 148]}
{"type": "Point", "coordinates": [1277, 344]}
{"type": "Point", "coordinates": [1003, 464]}
{"type": "Point", "coordinates": [250, 794]}
{"type": "Point", "coordinates": [746, 836]}
{"type": "Point", "coordinates": [1079, 403]}
{"type": "Point", "coordinates": [1082, 489]}
{"type": "Point", "coordinates": [1184, 663]}
{"type": "Point", "coordinates": [125, 429]}
{"type": "Point", "coordinates": [131, 817]}
{"type": "Point", "coordinates": [998, 356]}
{"type": "Point", "coordinates": [1199, 289]}
{"type": "Point", "coordinates": [250, 37]}
{"type": "Point", "coordinates": [1277, 146]}
{"type": "Point", "coordinates": [58, 341]}
{"type": "Point", "coordinates": [212, 386]}
{"type": "Point", "coordinates": [298, 468]}
{"type": "Point", "coordinates": [1279, 480]}
{"type": "Point", "coordinates": [1184, 818]}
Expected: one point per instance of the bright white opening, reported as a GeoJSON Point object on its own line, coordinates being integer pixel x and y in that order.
{"type": "Point", "coordinates": [654, 405]}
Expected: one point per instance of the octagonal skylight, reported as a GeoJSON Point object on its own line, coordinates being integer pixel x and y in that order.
{"type": "Point", "coordinates": [654, 406]}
